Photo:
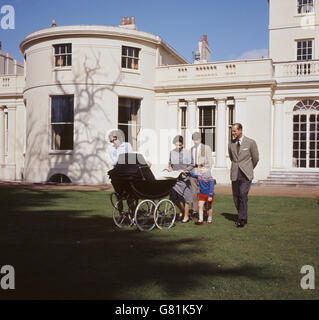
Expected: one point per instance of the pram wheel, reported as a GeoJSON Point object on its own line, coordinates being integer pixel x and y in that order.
{"type": "Point", "coordinates": [122, 214]}
{"type": "Point", "coordinates": [114, 197]}
{"type": "Point", "coordinates": [144, 215]}
{"type": "Point", "coordinates": [165, 214]}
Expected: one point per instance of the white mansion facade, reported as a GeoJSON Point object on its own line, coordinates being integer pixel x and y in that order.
{"type": "Point", "coordinates": [79, 82]}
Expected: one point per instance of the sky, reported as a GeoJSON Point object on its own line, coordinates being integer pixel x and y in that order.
{"type": "Point", "coordinates": [236, 29]}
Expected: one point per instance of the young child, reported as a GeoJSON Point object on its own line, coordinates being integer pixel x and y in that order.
{"type": "Point", "coordinates": [206, 194]}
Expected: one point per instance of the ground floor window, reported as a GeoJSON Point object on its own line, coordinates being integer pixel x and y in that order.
{"type": "Point", "coordinates": [306, 134]}
{"type": "Point", "coordinates": [62, 122]}
{"type": "Point", "coordinates": [129, 119]}
{"type": "Point", "coordinates": [207, 125]}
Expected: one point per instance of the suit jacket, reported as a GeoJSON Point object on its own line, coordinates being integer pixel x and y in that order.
{"type": "Point", "coordinates": [246, 160]}
{"type": "Point", "coordinates": [204, 157]}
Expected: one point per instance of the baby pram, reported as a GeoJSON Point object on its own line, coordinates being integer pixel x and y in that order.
{"type": "Point", "coordinates": [133, 181]}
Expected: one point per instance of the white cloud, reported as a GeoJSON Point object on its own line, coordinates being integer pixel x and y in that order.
{"type": "Point", "coordinates": [254, 54]}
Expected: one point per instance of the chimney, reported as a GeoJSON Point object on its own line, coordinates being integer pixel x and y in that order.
{"type": "Point", "coordinates": [203, 55]}
{"type": "Point", "coordinates": [53, 23]}
{"type": "Point", "coordinates": [128, 23]}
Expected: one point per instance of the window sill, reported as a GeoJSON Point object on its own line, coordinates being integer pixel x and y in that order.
{"type": "Point", "coordinates": [300, 15]}
{"type": "Point", "coordinates": [125, 70]}
{"type": "Point", "coordinates": [69, 68]}
{"type": "Point", "coordinates": [60, 152]}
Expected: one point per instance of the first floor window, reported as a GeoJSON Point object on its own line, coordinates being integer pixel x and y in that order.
{"type": "Point", "coordinates": [207, 125]}
{"type": "Point", "coordinates": [129, 119]}
{"type": "Point", "coordinates": [304, 6]}
{"type": "Point", "coordinates": [304, 49]}
{"type": "Point", "coordinates": [62, 122]}
{"type": "Point", "coordinates": [63, 55]}
{"type": "Point", "coordinates": [130, 57]}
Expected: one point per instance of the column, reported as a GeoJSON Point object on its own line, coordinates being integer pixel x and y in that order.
{"type": "Point", "coordinates": [240, 111]}
{"type": "Point", "coordinates": [278, 139]}
{"type": "Point", "coordinates": [172, 116]}
{"type": "Point", "coordinates": [2, 135]}
{"type": "Point", "coordinates": [221, 127]}
{"type": "Point", "coordinates": [11, 134]}
{"type": "Point", "coordinates": [191, 122]}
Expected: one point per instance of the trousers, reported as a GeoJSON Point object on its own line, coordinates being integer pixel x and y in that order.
{"type": "Point", "coordinates": [240, 189]}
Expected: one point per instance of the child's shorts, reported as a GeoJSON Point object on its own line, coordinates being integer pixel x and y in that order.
{"type": "Point", "coordinates": [204, 197]}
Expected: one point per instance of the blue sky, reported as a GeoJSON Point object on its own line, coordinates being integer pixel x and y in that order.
{"type": "Point", "coordinates": [236, 29]}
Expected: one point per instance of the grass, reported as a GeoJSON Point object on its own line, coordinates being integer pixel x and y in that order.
{"type": "Point", "coordinates": [64, 245]}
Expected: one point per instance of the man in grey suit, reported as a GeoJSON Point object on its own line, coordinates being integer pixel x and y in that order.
{"type": "Point", "coordinates": [243, 153]}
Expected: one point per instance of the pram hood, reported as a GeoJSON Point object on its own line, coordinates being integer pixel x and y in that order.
{"type": "Point", "coordinates": [131, 166]}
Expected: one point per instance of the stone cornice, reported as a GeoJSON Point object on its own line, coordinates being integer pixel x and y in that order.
{"type": "Point", "coordinates": [95, 31]}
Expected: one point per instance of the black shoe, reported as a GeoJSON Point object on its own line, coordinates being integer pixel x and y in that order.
{"type": "Point", "coordinates": [239, 223]}
{"type": "Point", "coordinates": [179, 217]}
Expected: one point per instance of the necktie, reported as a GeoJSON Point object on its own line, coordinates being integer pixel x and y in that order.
{"type": "Point", "coordinates": [238, 146]}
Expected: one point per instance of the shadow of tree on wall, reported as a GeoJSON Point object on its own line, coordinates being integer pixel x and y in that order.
{"type": "Point", "coordinates": [64, 245]}
{"type": "Point", "coordinates": [89, 158]}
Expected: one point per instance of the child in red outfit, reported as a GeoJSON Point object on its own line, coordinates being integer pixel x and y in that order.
{"type": "Point", "coordinates": [206, 194]}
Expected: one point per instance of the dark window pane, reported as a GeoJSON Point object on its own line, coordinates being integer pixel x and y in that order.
{"type": "Point", "coordinates": [296, 145]}
{"type": "Point", "coordinates": [302, 163]}
{"type": "Point", "coordinates": [312, 136]}
{"type": "Point", "coordinates": [62, 109]}
{"type": "Point", "coordinates": [303, 118]}
{"type": "Point", "coordinates": [296, 136]}
{"type": "Point", "coordinates": [129, 63]}
{"type": "Point", "coordinates": [123, 62]}
{"type": "Point", "coordinates": [295, 153]}
{"type": "Point", "coordinates": [303, 127]}
{"type": "Point", "coordinates": [62, 136]}
{"type": "Point", "coordinates": [130, 52]}
{"type": "Point", "coordinates": [312, 145]}
{"type": "Point", "coordinates": [312, 118]}
{"type": "Point", "coordinates": [303, 136]}
{"type": "Point", "coordinates": [303, 147]}
{"type": "Point", "coordinates": [208, 116]}
{"type": "Point", "coordinates": [296, 127]}
{"type": "Point", "coordinates": [124, 51]}
{"type": "Point", "coordinates": [296, 118]}
{"type": "Point", "coordinates": [312, 154]}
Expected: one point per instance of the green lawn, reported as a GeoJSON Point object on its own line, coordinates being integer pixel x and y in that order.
{"type": "Point", "coordinates": [64, 245]}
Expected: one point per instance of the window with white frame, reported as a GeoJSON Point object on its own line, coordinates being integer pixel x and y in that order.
{"type": "Point", "coordinates": [62, 55]}
{"type": "Point", "coordinates": [207, 125]}
{"type": "Point", "coordinates": [304, 6]}
{"type": "Point", "coordinates": [62, 122]}
{"type": "Point", "coordinates": [129, 119]}
{"type": "Point", "coordinates": [304, 49]}
{"type": "Point", "coordinates": [130, 57]}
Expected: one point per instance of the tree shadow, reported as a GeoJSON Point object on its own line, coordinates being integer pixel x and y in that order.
{"type": "Point", "coordinates": [64, 249]}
